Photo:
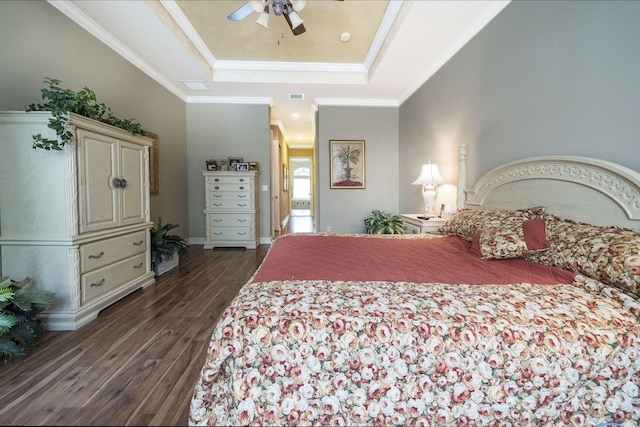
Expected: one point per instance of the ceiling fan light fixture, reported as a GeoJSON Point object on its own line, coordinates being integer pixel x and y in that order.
{"type": "Point", "coordinates": [257, 5]}
{"type": "Point", "coordinates": [263, 19]}
{"type": "Point", "coordinates": [298, 5]}
{"type": "Point", "coordinates": [296, 21]}
{"type": "Point", "coordinates": [278, 6]}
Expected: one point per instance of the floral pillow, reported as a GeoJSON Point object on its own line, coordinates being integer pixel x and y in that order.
{"type": "Point", "coordinates": [466, 222]}
{"type": "Point", "coordinates": [511, 239]}
{"type": "Point", "coordinates": [608, 254]}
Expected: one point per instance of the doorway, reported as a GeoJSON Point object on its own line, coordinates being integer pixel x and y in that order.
{"type": "Point", "coordinates": [301, 191]}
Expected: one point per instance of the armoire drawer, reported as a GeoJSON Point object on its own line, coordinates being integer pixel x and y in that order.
{"type": "Point", "coordinates": [103, 280]}
{"type": "Point", "coordinates": [104, 252]}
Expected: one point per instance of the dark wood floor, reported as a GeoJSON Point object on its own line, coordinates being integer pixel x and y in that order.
{"type": "Point", "coordinates": [138, 362]}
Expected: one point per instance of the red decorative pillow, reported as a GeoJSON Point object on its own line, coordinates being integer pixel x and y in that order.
{"type": "Point", "coordinates": [511, 239]}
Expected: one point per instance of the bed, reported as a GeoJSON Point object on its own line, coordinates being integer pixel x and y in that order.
{"type": "Point", "coordinates": [523, 309]}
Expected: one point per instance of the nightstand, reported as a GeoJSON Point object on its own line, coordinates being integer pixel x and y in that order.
{"type": "Point", "coordinates": [414, 225]}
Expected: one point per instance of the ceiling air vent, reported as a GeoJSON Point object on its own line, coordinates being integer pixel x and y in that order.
{"type": "Point", "coordinates": [296, 96]}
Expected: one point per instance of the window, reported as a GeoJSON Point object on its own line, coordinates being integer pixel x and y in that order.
{"type": "Point", "coordinates": [301, 184]}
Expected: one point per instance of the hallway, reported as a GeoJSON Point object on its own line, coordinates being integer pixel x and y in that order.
{"type": "Point", "coordinates": [300, 221]}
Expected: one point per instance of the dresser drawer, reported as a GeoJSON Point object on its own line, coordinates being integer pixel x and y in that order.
{"type": "Point", "coordinates": [231, 220]}
{"type": "Point", "coordinates": [229, 195]}
{"type": "Point", "coordinates": [230, 233]}
{"type": "Point", "coordinates": [229, 179]}
{"type": "Point", "coordinates": [104, 252]}
{"type": "Point", "coordinates": [103, 280]}
{"type": "Point", "coordinates": [228, 187]}
{"type": "Point", "coordinates": [230, 204]}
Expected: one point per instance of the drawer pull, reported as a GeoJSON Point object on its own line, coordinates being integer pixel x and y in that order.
{"type": "Point", "coordinates": [217, 234]}
{"type": "Point", "coordinates": [217, 195]}
{"type": "Point", "coordinates": [241, 188]}
{"type": "Point", "coordinates": [242, 205]}
{"type": "Point", "coordinates": [217, 204]}
{"type": "Point", "coordinates": [241, 179]}
{"type": "Point", "coordinates": [138, 243]}
{"type": "Point", "coordinates": [242, 234]}
{"type": "Point", "coordinates": [138, 266]}
{"type": "Point", "coordinates": [96, 256]}
{"type": "Point", "coordinates": [217, 187]}
{"type": "Point", "coordinates": [100, 283]}
{"type": "Point", "coordinates": [217, 220]}
{"type": "Point", "coordinates": [242, 196]}
{"type": "Point", "coordinates": [242, 220]}
{"type": "Point", "coordinates": [217, 179]}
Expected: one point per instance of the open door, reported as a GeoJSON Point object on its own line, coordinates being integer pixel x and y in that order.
{"type": "Point", "coordinates": [275, 188]}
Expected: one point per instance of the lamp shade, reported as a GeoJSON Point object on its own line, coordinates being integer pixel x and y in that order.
{"type": "Point", "coordinates": [263, 19]}
{"type": "Point", "coordinates": [257, 5]}
{"type": "Point", "coordinates": [429, 175]}
{"type": "Point", "coordinates": [295, 20]}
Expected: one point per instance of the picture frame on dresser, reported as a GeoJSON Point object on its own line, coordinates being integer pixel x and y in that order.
{"type": "Point", "coordinates": [212, 165]}
{"type": "Point", "coordinates": [242, 166]}
{"type": "Point", "coordinates": [222, 164]}
{"type": "Point", "coordinates": [233, 162]}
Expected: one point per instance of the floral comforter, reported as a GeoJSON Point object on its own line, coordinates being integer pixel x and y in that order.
{"type": "Point", "coordinates": [307, 352]}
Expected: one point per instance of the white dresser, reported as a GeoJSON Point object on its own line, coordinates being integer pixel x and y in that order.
{"type": "Point", "coordinates": [231, 209]}
{"type": "Point", "coordinates": [76, 221]}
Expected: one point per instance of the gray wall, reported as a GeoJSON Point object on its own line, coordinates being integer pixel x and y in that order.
{"type": "Point", "coordinates": [220, 131]}
{"type": "Point", "coordinates": [344, 210]}
{"type": "Point", "coordinates": [542, 78]}
{"type": "Point", "coordinates": [39, 41]}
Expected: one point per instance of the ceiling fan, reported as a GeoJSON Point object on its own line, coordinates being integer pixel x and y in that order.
{"type": "Point", "coordinates": [287, 8]}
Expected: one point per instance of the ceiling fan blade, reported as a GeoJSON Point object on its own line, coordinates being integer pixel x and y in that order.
{"type": "Point", "coordinates": [241, 13]}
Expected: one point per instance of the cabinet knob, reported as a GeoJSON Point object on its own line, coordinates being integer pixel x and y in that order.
{"type": "Point", "coordinates": [241, 179]}
{"type": "Point", "coordinates": [217, 179]}
{"type": "Point", "coordinates": [217, 187]}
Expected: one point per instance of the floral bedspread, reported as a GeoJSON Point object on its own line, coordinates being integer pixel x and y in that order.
{"type": "Point", "coordinates": [394, 353]}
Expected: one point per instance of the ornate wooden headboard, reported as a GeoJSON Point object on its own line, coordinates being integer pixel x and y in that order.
{"type": "Point", "coordinates": [580, 188]}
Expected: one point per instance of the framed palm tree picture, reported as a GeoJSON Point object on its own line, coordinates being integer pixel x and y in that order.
{"type": "Point", "coordinates": [347, 164]}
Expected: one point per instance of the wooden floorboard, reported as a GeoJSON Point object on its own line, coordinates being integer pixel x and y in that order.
{"type": "Point", "coordinates": [138, 362]}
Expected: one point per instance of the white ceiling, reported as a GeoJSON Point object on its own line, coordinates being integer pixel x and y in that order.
{"type": "Point", "coordinates": [395, 47]}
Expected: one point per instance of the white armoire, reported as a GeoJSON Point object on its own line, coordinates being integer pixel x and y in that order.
{"type": "Point", "coordinates": [76, 221]}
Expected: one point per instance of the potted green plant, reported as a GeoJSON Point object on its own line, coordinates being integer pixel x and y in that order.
{"type": "Point", "coordinates": [166, 248]}
{"type": "Point", "coordinates": [20, 323]}
{"type": "Point", "coordinates": [380, 222]}
{"type": "Point", "coordinates": [61, 102]}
